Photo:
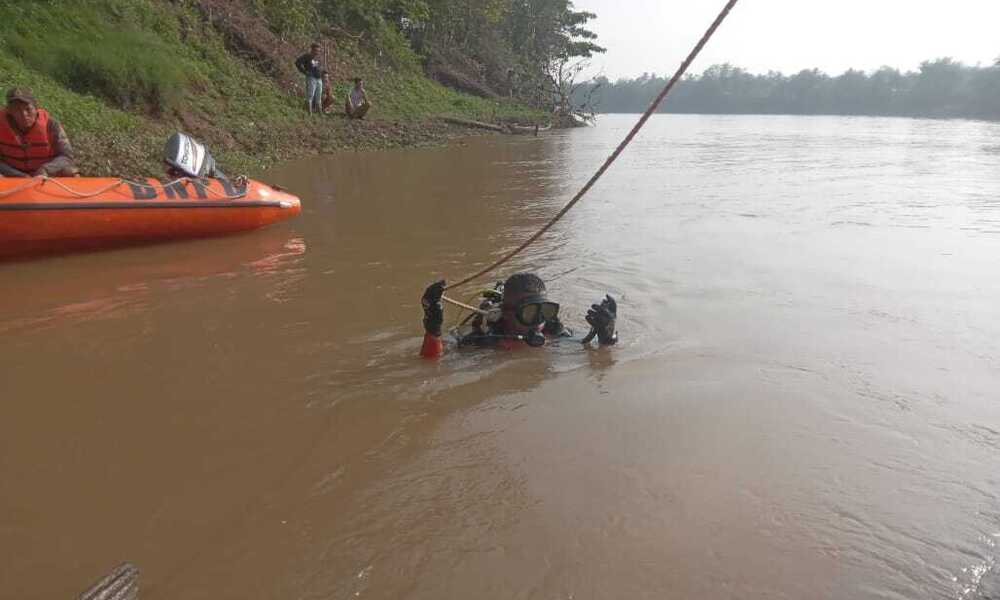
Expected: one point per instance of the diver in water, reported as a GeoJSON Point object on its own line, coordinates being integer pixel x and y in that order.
{"type": "Point", "coordinates": [514, 311]}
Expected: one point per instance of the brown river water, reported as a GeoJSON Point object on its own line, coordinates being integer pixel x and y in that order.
{"type": "Point", "coordinates": [804, 402]}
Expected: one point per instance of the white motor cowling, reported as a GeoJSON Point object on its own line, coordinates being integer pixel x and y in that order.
{"type": "Point", "coordinates": [188, 155]}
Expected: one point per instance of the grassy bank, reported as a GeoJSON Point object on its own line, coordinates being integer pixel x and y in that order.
{"type": "Point", "coordinates": [121, 75]}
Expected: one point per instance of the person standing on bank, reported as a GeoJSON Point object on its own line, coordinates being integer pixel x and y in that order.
{"type": "Point", "coordinates": [31, 142]}
{"type": "Point", "coordinates": [309, 65]}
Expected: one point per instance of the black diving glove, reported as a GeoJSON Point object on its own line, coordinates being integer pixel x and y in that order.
{"type": "Point", "coordinates": [602, 318]}
{"type": "Point", "coordinates": [433, 309]}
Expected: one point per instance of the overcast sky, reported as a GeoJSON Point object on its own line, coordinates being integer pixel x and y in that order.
{"type": "Point", "coordinates": [789, 35]}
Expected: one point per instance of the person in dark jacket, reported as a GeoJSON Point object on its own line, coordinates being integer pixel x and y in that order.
{"type": "Point", "coordinates": [309, 65]}
{"type": "Point", "coordinates": [31, 142]}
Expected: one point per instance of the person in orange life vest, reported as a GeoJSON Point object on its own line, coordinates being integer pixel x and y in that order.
{"type": "Point", "coordinates": [517, 311]}
{"type": "Point", "coordinates": [31, 142]}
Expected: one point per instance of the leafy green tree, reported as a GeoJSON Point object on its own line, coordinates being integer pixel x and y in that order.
{"type": "Point", "coordinates": [549, 38]}
{"type": "Point", "coordinates": [886, 87]}
{"type": "Point", "coordinates": [937, 86]}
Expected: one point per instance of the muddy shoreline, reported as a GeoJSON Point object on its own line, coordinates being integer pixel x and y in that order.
{"type": "Point", "coordinates": [139, 158]}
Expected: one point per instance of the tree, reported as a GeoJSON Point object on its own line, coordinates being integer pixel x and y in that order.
{"type": "Point", "coordinates": [549, 36]}
{"type": "Point", "coordinates": [936, 86]}
{"type": "Point", "coordinates": [886, 87]}
{"type": "Point", "coordinates": [499, 47]}
{"type": "Point", "coordinates": [984, 90]}
{"type": "Point", "coordinates": [850, 93]}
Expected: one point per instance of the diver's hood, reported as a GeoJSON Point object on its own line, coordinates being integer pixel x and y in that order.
{"type": "Point", "coordinates": [188, 155]}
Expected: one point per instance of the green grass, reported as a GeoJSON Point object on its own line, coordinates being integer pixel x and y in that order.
{"type": "Point", "coordinates": [78, 111]}
{"type": "Point", "coordinates": [119, 51]}
{"type": "Point", "coordinates": [122, 74]}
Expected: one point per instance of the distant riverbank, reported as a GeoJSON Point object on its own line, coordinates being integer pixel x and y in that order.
{"type": "Point", "coordinates": [788, 114]}
{"type": "Point", "coordinates": [941, 88]}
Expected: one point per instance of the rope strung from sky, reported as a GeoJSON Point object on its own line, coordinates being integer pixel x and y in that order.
{"type": "Point", "coordinates": [614, 155]}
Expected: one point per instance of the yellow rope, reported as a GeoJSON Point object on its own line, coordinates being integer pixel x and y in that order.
{"type": "Point", "coordinates": [81, 195]}
{"type": "Point", "coordinates": [465, 306]}
{"type": "Point", "coordinates": [31, 183]}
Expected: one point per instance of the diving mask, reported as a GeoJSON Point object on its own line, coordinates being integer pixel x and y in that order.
{"type": "Point", "coordinates": [535, 310]}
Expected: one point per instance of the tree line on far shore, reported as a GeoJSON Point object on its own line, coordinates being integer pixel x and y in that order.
{"type": "Point", "coordinates": [939, 88]}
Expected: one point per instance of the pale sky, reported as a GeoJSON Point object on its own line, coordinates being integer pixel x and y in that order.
{"type": "Point", "coordinates": [789, 35]}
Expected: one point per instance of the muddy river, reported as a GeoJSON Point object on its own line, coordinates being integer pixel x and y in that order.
{"type": "Point", "coordinates": [803, 404]}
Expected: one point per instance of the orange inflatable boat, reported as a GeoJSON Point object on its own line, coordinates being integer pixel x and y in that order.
{"type": "Point", "coordinates": [45, 215]}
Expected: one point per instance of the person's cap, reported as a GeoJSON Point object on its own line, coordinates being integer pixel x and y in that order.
{"type": "Point", "coordinates": [21, 95]}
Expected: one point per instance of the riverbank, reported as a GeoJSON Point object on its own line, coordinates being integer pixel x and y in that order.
{"type": "Point", "coordinates": [122, 75]}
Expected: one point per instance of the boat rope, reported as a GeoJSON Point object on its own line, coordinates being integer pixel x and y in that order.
{"type": "Point", "coordinates": [614, 155]}
{"type": "Point", "coordinates": [81, 195]}
{"type": "Point", "coordinates": [31, 183]}
{"type": "Point", "coordinates": [42, 179]}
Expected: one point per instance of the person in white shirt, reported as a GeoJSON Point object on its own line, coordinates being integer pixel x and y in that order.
{"type": "Point", "coordinates": [357, 105]}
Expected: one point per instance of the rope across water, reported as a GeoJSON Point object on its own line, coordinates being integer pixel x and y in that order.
{"type": "Point", "coordinates": [614, 155]}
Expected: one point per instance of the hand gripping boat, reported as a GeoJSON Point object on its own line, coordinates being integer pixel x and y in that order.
{"type": "Point", "coordinates": [45, 215]}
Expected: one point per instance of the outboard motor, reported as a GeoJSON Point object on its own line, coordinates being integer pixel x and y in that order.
{"type": "Point", "coordinates": [187, 155]}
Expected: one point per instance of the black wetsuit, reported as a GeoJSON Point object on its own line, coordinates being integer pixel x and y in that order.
{"type": "Point", "coordinates": [494, 334]}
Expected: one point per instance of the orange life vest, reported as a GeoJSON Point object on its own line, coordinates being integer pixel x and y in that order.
{"type": "Point", "coordinates": [29, 151]}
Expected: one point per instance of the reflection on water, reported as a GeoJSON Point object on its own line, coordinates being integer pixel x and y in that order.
{"type": "Point", "coordinates": [132, 278]}
{"type": "Point", "coordinates": [801, 404]}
